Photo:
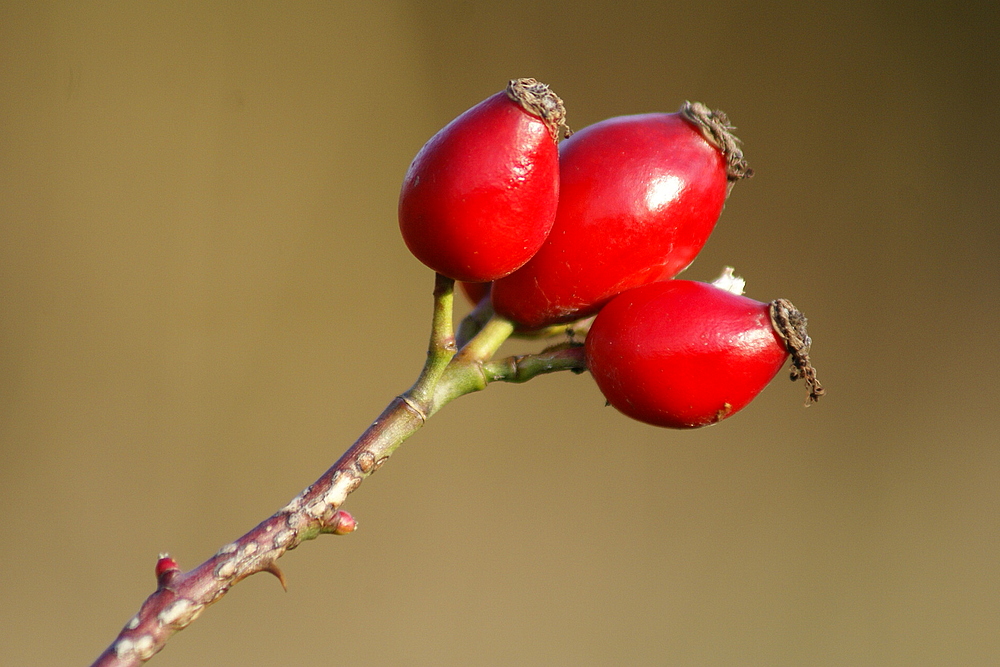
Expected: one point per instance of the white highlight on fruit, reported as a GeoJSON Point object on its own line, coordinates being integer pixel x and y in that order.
{"type": "Point", "coordinates": [662, 191]}
{"type": "Point", "coordinates": [730, 282]}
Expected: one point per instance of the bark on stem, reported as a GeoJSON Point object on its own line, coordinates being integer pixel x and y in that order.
{"type": "Point", "coordinates": [181, 597]}
{"type": "Point", "coordinates": [173, 606]}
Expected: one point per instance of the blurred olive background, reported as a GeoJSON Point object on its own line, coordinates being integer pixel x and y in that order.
{"type": "Point", "coordinates": [204, 299]}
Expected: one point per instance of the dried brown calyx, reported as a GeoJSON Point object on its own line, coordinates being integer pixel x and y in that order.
{"type": "Point", "coordinates": [790, 324]}
{"type": "Point", "coordinates": [714, 125]}
{"type": "Point", "coordinates": [538, 99]}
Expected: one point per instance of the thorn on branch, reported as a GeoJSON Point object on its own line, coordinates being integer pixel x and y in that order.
{"type": "Point", "coordinates": [276, 571]}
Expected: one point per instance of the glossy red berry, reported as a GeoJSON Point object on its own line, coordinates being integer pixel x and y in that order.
{"type": "Point", "coordinates": [480, 197]}
{"type": "Point", "coordinates": [639, 197]}
{"type": "Point", "coordinates": [684, 354]}
{"type": "Point", "coordinates": [475, 292]}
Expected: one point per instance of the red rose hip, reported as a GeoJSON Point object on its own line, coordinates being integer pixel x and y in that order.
{"type": "Point", "coordinates": [480, 197]}
{"type": "Point", "coordinates": [475, 292]}
{"type": "Point", "coordinates": [639, 196]}
{"type": "Point", "coordinates": [684, 354]}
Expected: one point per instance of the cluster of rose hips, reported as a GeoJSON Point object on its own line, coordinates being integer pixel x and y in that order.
{"type": "Point", "coordinates": [552, 233]}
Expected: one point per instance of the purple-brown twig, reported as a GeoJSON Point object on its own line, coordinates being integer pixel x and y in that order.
{"type": "Point", "coordinates": [180, 597]}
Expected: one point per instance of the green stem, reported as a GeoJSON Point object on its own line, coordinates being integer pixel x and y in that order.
{"type": "Point", "coordinates": [486, 343]}
{"type": "Point", "coordinates": [525, 367]}
{"type": "Point", "coordinates": [441, 349]}
{"type": "Point", "coordinates": [474, 322]}
{"type": "Point", "coordinates": [446, 375]}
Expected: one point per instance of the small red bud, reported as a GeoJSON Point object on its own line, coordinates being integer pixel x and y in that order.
{"type": "Point", "coordinates": [345, 523]}
{"type": "Point", "coordinates": [166, 569]}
